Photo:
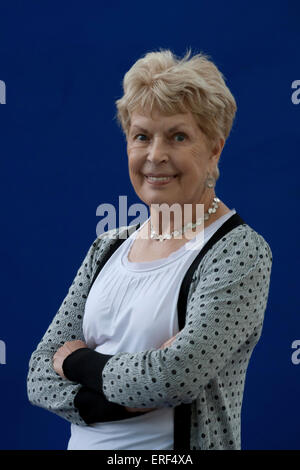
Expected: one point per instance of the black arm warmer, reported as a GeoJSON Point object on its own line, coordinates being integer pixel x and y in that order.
{"type": "Point", "coordinates": [94, 407]}
{"type": "Point", "coordinates": [85, 367]}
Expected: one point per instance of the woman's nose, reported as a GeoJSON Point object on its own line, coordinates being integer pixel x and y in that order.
{"type": "Point", "coordinates": [158, 151]}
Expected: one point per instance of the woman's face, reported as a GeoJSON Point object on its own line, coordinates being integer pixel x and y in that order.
{"type": "Point", "coordinates": [174, 147]}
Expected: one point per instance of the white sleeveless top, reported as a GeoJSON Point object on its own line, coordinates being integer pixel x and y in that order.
{"type": "Point", "coordinates": [136, 312]}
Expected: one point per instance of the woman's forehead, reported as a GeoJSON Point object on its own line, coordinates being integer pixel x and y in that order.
{"type": "Point", "coordinates": [143, 119]}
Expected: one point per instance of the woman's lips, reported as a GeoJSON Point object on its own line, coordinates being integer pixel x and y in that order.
{"type": "Point", "coordinates": [159, 181]}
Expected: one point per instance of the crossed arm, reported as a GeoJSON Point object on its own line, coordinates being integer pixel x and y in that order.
{"type": "Point", "coordinates": [62, 367]}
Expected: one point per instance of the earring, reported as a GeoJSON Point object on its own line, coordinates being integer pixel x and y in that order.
{"type": "Point", "coordinates": [210, 182]}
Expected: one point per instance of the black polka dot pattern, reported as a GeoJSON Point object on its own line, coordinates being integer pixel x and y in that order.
{"type": "Point", "coordinates": [206, 364]}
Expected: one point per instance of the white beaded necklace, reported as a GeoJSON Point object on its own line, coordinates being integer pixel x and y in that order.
{"type": "Point", "coordinates": [168, 236]}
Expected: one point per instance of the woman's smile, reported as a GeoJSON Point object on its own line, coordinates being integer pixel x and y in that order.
{"type": "Point", "coordinates": [160, 180]}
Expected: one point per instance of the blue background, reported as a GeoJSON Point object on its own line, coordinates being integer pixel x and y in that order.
{"type": "Point", "coordinates": [63, 154]}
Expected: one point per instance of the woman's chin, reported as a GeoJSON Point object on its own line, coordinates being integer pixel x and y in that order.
{"type": "Point", "coordinates": [159, 199]}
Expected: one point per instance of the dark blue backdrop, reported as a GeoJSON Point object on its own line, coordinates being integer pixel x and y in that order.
{"type": "Point", "coordinates": [62, 154]}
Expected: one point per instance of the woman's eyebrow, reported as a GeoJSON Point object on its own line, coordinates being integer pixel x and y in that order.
{"type": "Point", "coordinates": [181, 124]}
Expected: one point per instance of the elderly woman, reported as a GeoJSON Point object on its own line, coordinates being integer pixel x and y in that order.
{"type": "Point", "coordinates": [150, 347]}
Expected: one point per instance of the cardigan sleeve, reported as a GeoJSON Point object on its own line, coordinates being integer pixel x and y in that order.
{"type": "Point", "coordinates": [45, 388]}
{"type": "Point", "coordinates": [225, 308]}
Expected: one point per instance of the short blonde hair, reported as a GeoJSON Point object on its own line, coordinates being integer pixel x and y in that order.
{"type": "Point", "coordinates": [172, 85]}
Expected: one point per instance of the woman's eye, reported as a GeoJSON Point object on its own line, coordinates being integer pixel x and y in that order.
{"type": "Point", "coordinates": [180, 134]}
{"type": "Point", "coordinates": [138, 135]}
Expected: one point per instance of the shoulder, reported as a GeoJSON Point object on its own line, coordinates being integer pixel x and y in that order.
{"type": "Point", "coordinates": [239, 251]}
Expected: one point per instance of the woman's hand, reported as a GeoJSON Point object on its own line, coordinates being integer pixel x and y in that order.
{"type": "Point", "coordinates": [168, 342]}
{"type": "Point", "coordinates": [63, 352]}
{"type": "Point", "coordinates": [164, 345]}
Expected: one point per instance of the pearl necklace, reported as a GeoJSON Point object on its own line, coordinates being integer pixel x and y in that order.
{"type": "Point", "coordinates": [168, 236]}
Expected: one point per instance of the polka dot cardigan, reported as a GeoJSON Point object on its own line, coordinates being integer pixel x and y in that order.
{"type": "Point", "coordinates": [206, 364]}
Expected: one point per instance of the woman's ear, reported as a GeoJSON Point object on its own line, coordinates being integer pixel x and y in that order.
{"type": "Point", "coordinates": [218, 147]}
{"type": "Point", "coordinates": [216, 150]}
